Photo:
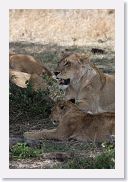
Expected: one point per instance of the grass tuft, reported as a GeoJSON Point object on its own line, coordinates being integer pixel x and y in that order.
{"type": "Point", "coordinates": [22, 151]}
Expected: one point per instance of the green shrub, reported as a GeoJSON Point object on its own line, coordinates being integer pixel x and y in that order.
{"type": "Point", "coordinates": [54, 91]}
{"type": "Point", "coordinates": [22, 151]}
{"type": "Point", "coordinates": [29, 102]}
{"type": "Point", "coordinates": [106, 160]}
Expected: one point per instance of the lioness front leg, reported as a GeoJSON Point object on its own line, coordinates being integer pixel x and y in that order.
{"type": "Point", "coordinates": [43, 134]}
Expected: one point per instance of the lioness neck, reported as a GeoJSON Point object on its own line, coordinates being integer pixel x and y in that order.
{"type": "Point", "coordinates": [82, 78]}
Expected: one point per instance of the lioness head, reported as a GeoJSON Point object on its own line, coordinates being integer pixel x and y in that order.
{"type": "Point", "coordinates": [62, 108]}
{"type": "Point", "coordinates": [72, 65]}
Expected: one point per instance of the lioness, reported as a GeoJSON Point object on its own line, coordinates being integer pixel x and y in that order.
{"type": "Point", "coordinates": [93, 90]}
{"type": "Point", "coordinates": [27, 64]}
{"type": "Point", "coordinates": [73, 123]}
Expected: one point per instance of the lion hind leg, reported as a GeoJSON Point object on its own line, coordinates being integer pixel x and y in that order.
{"type": "Point", "coordinates": [44, 134]}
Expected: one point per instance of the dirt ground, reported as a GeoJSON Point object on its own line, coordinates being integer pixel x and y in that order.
{"type": "Point", "coordinates": [46, 41]}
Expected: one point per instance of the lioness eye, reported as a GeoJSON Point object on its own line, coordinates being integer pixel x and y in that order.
{"type": "Point", "coordinates": [67, 64]}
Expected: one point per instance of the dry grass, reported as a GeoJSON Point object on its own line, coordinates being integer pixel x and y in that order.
{"type": "Point", "coordinates": [63, 27]}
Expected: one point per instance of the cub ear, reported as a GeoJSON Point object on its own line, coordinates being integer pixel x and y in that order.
{"type": "Point", "coordinates": [72, 100]}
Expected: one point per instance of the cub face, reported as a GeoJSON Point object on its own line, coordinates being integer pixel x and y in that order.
{"type": "Point", "coordinates": [61, 109]}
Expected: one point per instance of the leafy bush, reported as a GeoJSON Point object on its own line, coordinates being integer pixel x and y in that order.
{"type": "Point", "coordinates": [106, 160]}
{"type": "Point", "coordinates": [29, 102]}
{"type": "Point", "coordinates": [54, 91]}
{"type": "Point", "coordinates": [22, 151]}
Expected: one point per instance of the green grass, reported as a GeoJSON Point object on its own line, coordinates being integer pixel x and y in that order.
{"type": "Point", "coordinates": [66, 146]}
{"type": "Point", "coordinates": [103, 160]}
{"type": "Point", "coordinates": [80, 159]}
{"type": "Point", "coordinates": [106, 160]}
{"type": "Point", "coordinates": [22, 151]}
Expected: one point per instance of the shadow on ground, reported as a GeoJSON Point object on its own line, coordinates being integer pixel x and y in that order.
{"type": "Point", "coordinates": [50, 54]}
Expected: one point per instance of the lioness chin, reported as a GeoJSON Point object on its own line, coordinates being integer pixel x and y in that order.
{"type": "Point", "coordinates": [93, 90]}
{"type": "Point", "coordinates": [75, 124]}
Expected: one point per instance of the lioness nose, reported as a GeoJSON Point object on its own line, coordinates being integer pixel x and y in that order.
{"type": "Point", "coordinates": [56, 73]}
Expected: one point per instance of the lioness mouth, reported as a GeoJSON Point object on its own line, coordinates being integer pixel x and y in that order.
{"type": "Point", "coordinates": [64, 81]}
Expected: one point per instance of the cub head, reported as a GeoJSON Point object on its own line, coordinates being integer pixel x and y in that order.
{"type": "Point", "coordinates": [70, 65]}
{"type": "Point", "coordinates": [62, 108]}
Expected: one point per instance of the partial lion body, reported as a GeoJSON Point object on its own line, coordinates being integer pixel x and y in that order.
{"type": "Point", "coordinates": [38, 83]}
{"type": "Point", "coordinates": [25, 69]}
{"type": "Point", "coordinates": [27, 64]}
{"type": "Point", "coordinates": [22, 79]}
{"type": "Point", "coordinates": [75, 124]}
{"type": "Point", "coordinates": [19, 78]}
{"type": "Point", "coordinates": [93, 90]}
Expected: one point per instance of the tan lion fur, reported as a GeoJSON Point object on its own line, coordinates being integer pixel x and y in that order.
{"type": "Point", "coordinates": [38, 83]}
{"type": "Point", "coordinates": [22, 79]}
{"type": "Point", "coordinates": [93, 90]}
{"type": "Point", "coordinates": [25, 69]}
{"type": "Point", "coordinates": [27, 64]}
{"type": "Point", "coordinates": [19, 78]}
{"type": "Point", "coordinates": [73, 123]}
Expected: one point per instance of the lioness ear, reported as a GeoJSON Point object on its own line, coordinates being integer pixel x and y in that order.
{"type": "Point", "coordinates": [64, 54]}
{"type": "Point", "coordinates": [85, 58]}
{"type": "Point", "coordinates": [72, 100]}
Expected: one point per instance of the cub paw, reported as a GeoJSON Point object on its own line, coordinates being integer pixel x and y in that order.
{"type": "Point", "coordinates": [30, 135]}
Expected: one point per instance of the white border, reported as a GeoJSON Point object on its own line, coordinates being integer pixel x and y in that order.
{"type": "Point", "coordinates": [118, 172]}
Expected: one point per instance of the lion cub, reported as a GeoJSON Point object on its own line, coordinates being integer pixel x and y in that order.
{"type": "Point", "coordinates": [25, 69]}
{"type": "Point", "coordinates": [22, 79]}
{"type": "Point", "coordinates": [27, 64]}
{"type": "Point", "coordinates": [73, 123]}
